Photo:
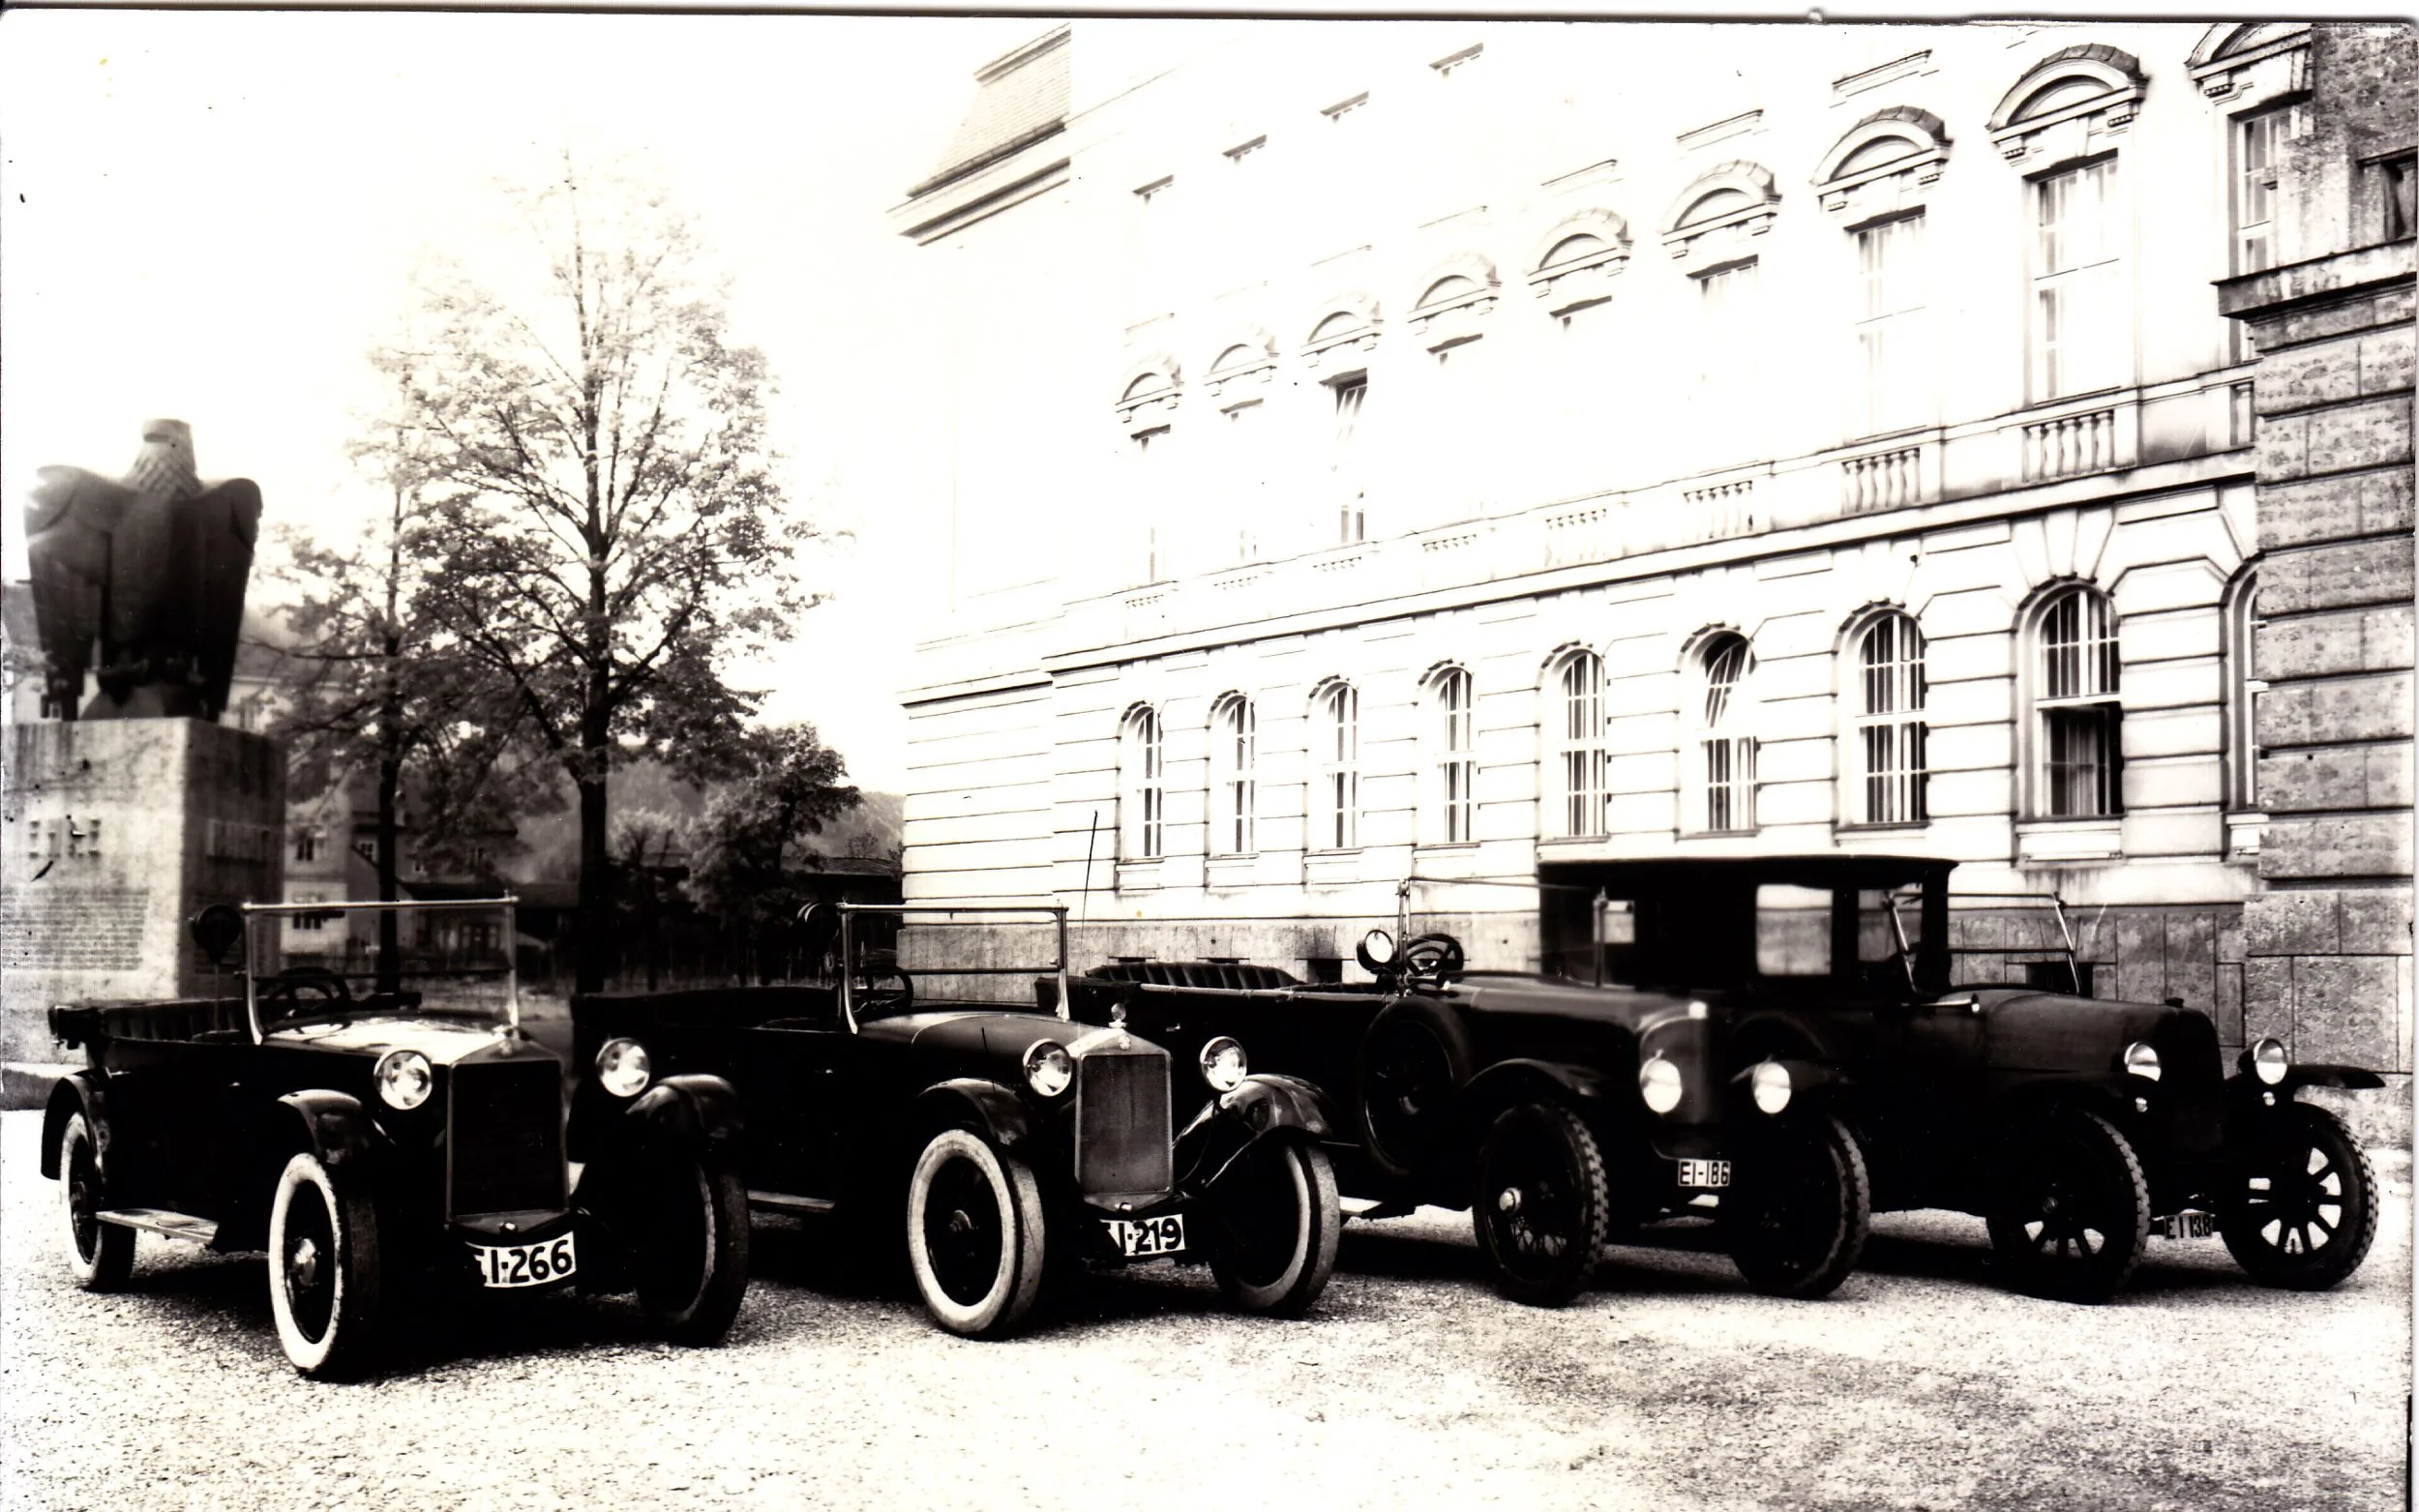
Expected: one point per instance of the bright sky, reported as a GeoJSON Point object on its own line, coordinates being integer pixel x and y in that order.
{"type": "Point", "coordinates": [216, 216]}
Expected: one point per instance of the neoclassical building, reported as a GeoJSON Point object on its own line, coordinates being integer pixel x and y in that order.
{"type": "Point", "coordinates": [1480, 451]}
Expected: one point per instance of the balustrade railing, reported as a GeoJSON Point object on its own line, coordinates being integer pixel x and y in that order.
{"type": "Point", "coordinates": [2070, 445]}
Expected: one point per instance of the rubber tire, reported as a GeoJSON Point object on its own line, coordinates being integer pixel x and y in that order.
{"type": "Point", "coordinates": [1817, 1172]}
{"type": "Point", "coordinates": [104, 1265]}
{"type": "Point", "coordinates": [1400, 1145]}
{"type": "Point", "coordinates": [1566, 1272]}
{"type": "Point", "coordinates": [1306, 1181]}
{"type": "Point", "coordinates": [2297, 1130]}
{"type": "Point", "coordinates": [349, 1340]}
{"type": "Point", "coordinates": [697, 1305]}
{"type": "Point", "coordinates": [2071, 1144]}
{"type": "Point", "coordinates": [1022, 1252]}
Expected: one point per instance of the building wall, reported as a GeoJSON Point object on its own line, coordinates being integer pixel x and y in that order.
{"type": "Point", "coordinates": [1564, 452]}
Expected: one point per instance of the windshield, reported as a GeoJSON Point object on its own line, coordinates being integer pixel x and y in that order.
{"type": "Point", "coordinates": [332, 962]}
{"type": "Point", "coordinates": [891, 958]}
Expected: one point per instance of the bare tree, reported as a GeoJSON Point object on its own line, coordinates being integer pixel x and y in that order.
{"type": "Point", "coordinates": [608, 532]}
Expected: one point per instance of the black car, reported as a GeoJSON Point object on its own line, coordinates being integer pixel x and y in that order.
{"type": "Point", "coordinates": [1560, 1111]}
{"type": "Point", "coordinates": [378, 1132]}
{"type": "Point", "coordinates": [2077, 1127]}
{"type": "Point", "coordinates": [999, 1138]}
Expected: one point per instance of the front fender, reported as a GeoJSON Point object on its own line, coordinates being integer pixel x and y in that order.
{"type": "Point", "coordinates": [696, 1112]}
{"type": "Point", "coordinates": [971, 1102]}
{"type": "Point", "coordinates": [338, 1129]}
{"type": "Point", "coordinates": [78, 1091]}
{"type": "Point", "coordinates": [1262, 1106]}
{"type": "Point", "coordinates": [1586, 1091]}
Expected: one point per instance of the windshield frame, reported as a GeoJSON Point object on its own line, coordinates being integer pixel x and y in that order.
{"type": "Point", "coordinates": [945, 914]}
{"type": "Point", "coordinates": [253, 911]}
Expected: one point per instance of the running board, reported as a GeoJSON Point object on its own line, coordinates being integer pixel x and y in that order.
{"type": "Point", "coordinates": [1385, 1209]}
{"type": "Point", "coordinates": [159, 1220]}
{"type": "Point", "coordinates": [784, 1203]}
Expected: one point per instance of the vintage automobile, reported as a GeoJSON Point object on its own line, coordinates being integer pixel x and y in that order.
{"type": "Point", "coordinates": [1561, 1112]}
{"type": "Point", "coordinates": [2077, 1127]}
{"type": "Point", "coordinates": [1001, 1139]}
{"type": "Point", "coordinates": [381, 1134]}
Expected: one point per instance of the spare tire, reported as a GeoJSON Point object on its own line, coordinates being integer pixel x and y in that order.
{"type": "Point", "coordinates": [1413, 1064]}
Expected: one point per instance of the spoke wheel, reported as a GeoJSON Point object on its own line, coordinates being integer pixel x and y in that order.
{"type": "Point", "coordinates": [98, 1256]}
{"type": "Point", "coordinates": [1273, 1219]}
{"type": "Point", "coordinates": [1541, 1203]}
{"type": "Point", "coordinates": [324, 1271]}
{"type": "Point", "coordinates": [693, 1268]}
{"type": "Point", "coordinates": [2300, 1208]}
{"type": "Point", "coordinates": [2071, 1214]}
{"type": "Point", "coordinates": [1413, 1064]}
{"type": "Point", "coordinates": [975, 1234]}
{"type": "Point", "coordinates": [1798, 1218]}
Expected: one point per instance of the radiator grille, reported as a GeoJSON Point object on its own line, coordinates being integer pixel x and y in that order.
{"type": "Point", "coordinates": [504, 1137]}
{"type": "Point", "coordinates": [1121, 1123]}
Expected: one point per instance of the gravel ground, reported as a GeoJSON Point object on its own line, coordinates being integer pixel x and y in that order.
{"type": "Point", "coordinates": [1919, 1384]}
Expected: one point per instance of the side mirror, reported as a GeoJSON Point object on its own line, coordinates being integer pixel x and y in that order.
{"type": "Point", "coordinates": [218, 930]}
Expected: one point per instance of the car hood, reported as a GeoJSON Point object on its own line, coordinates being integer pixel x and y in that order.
{"type": "Point", "coordinates": [1512, 992]}
{"type": "Point", "coordinates": [444, 1043]}
{"type": "Point", "coordinates": [986, 1031]}
{"type": "Point", "coordinates": [2059, 1031]}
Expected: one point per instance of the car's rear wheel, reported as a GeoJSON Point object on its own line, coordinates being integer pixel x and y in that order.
{"type": "Point", "coordinates": [323, 1269]}
{"type": "Point", "coordinates": [693, 1265]}
{"type": "Point", "coordinates": [2300, 1209]}
{"type": "Point", "coordinates": [975, 1234]}
{"type": "Point", "coordinates": [1798, 1216]}
{"type": "Point", "coordinates": [99, 1254]}
{"type": "Point", "coordinates": [1541, 1203]}
{"type": "Point", "coordinates": [1273, 1219]}
{"type": "Point", "coordinates": [2071, 1216]}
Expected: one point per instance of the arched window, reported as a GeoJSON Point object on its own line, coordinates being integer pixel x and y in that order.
{"type": "Point", "coordinates": [1452, 809]}
{"type": "Point", "coordinates": [2079, 760]}
{"type": "Point", "coordinates": [1888, 779]}
{"type": "Point", "coordinates": [1235, 784]}
{"type": "Point", "coordinates": [1575, 723]}
{"type": "Point", "coordinates": [1142, 797]}
{"type": "Point", "coordinates": [1722, 735]}
{"type": "Point", "coordinates": [2243, 687]}
{"type": "Point", "coordinates": [1336, 755]}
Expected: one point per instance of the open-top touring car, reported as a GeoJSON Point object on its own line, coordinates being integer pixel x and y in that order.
{"type": "Point", "coordinates": [1002, 1138]}
{"type": "Point", "coordinates": [1560, 1109]}
{"type": "Point", "coordinates": [2075, 1126]}
{"type": "Point", "coordinates": [375, 1130]}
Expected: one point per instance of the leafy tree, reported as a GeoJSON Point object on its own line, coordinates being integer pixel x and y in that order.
{"type": "Point", "coordinates": [608, 533]}
{"type": "Point", "coordinates": [754, 841]}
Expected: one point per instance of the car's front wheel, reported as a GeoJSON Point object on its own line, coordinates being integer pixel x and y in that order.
{"type": "Point", "coordinates": [693, 1261]}
{"type": "Point", "coordinates": [975, 1234]}
{"type": "Point", "coordinates": [323, 1269]}
{"type": "Point", "coordinates": [2300, 1209]}
{"type": "Point", "coordinates": [1273, 1221]}
{"type": "Point", "coordinates": [1797, 1219]}
{"type": "Point", "coordinates": [2071, 1216]}
{"type": "Point", "coordinates": [1541, 1203]}
{"type": "Point", "coordinates": [99, 1254]}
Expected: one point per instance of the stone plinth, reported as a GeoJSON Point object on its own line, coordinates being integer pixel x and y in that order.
{"type": "Point", "coordinates": [116, 832]}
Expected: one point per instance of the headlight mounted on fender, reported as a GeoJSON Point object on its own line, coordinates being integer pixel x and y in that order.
{"type": "Point", "coordinates": [1049, 1069]}
{"type": "Point", "coordinates": [1659, 1082]}
{"type": "Point", "coordinates": [404, 1079]}
{"type": "Point", "coordinates": [2269, 1063]}
{"type": "Point", "coordinates": [1769, 1084]}
{"type": "Point", "coordinates": [2141, 1060]}
{"type": "Point", "coordinates": [622, 1067]}
{"type": "Point", "coordinates": [1223, 1064]}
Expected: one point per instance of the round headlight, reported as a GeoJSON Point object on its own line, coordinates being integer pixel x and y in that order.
{"type": "Point", "coordinates": [1377, 947]}
{"type": "Point", "coordinates": [404, 1078]}
{"type": "Point", "coordinates": [1223, 1064]}
{"type": "Point", "coordinates": [2141, 1060]}
{"type": "Point", "coordinates": [1769, 1081]}
{"type": "Point", "coordinates": [623, 1068]}
{"type": "Point", "coordinates": [1049, 1069]}
{"type": "Point", "coordinates": [2269, 1061]}
{"type": "Point", "coordinates": [1659, 1082]}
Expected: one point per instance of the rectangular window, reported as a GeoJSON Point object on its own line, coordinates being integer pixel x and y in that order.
{"type": "Point", "coordinates": [1726, 301]}
{"type": "Point", "coordinates": [308, 839]}
{"type": "Point", "coordinates": [2256, 144]}
{"type": "Point", "coordinates": [1148, 549]}
{"type": "Point", "coordinates": [1352, 524]}
{"type": "Point", "coordinates": [2082, 760]}
{"type": "Point", "coordinates": [1729, 782]}
{"type": "Point", "coordinates": [2081, 319]}
{"type": "Point", "coordinates": [1247, 473]}
{"type": "Point", "coordinates": [1893, 388]}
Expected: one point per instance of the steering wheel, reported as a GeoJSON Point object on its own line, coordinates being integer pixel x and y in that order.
{"type": "Point", "coordinates": [1431, 957]}
{"type": "Point", "coordinates": [874, 998]}
{"type": "Point", "coordinates": [295, 982]}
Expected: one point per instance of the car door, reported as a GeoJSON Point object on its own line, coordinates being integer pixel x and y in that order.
{"type": "Point", "coordinates": [789, 1073]}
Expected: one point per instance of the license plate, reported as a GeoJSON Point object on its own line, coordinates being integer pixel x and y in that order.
{"type": "Point", "coordinates": [525, 1265]}
{"type": "Point", "coordinates": [1704, 1173]}
{"type": "Point", "coordinates": [1140, 1236]}
{"type": "Point", "coordinates": [2187, 1224]}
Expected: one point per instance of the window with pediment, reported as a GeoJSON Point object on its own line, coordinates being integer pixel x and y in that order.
{"type": "Point", "coordinates": [1238, 385]}
{"type": "Point", "coordinates": [2071, 104]}
{"type": "Point", "coordinates": [1146, 409]}
{"type": "Point", "coordinates": [1717, 218]}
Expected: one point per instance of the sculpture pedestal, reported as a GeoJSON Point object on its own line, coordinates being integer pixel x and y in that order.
{"type": "Point", "coordinates": [117, 832]}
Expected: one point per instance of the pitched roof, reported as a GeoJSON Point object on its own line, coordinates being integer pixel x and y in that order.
{"type": "Point", "coordinates": [1021, 98]}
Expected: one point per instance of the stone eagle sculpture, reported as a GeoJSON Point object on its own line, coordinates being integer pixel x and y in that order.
{"type": "Point", "coordinates": [151, 570]}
